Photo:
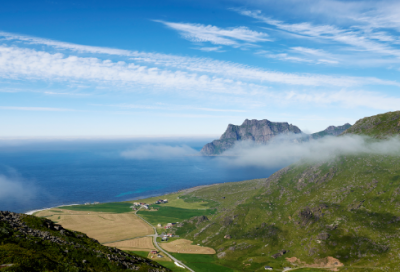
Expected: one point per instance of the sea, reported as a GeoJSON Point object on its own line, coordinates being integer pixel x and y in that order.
{"type": "Point", "coordinates": [41, 174]}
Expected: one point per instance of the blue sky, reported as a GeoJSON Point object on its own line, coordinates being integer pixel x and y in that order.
{"type": "Point", "coordinates": [189, 68]}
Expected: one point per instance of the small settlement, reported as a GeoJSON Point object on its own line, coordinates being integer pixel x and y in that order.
{"type": "Point", "coordinates": [138, 205]}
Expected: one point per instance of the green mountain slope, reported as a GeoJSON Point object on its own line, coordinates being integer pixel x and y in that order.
{"type": "Point", "coordinates": [343, 214]}
{"type": "Point", "coordinates": [378, 126]}
{"type": "Point", "coordinates": [29, 243]}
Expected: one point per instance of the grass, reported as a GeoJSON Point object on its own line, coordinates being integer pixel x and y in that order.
{"type": "Point", "coordinates": [201, 263]}
{"type": "Point", "coordinates": [113, 207]}
{"type": "Point", "coordinates": [167, 214]}
{"type": "Point", "coordinates": [176, 200]}
{"type": "Point", "coordinates": [172, 266]}
{"type": "Point", "coordinates": [140, 253]}
{"type": "Point", "coordinates": [355, 199]}
{"type": "Point", "coordinates": [29, 253]}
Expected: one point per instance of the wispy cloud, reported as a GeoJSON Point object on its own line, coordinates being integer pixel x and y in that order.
{"type": "Point", "coordinates": [173, 108]}
{"type": "Point", "coordinates": [158, 152]}
{"type": "Point", "coordinates": [359, 38]}
{"type": "Point", "coordinates": [21, 61]}
{"type": "Point", "coordinates": [234, 36]}
{"type": "Point", "coordinates": [210, 49]}
{"type": "Point", "coordinates": [34, 109]}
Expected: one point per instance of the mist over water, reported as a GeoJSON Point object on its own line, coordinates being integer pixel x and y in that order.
{"type": "Point", "coordinates": [47, 174]}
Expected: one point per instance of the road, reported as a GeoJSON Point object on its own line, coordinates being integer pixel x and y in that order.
{"type": "Point", "coordinates": [155, 235]}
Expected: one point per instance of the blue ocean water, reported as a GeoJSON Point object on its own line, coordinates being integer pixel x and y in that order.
{"type": "Point", "coordinates": [47, 174]}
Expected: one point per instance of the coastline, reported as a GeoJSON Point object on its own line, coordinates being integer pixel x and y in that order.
{"type": "Point", "coordinates": [39, 210]}
{"type": "Point", "coordinates": [185, 191]}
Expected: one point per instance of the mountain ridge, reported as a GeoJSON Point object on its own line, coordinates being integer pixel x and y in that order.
{"type": "Point", "coordinates": [263, 131]}
{"type": "Point", "coordinates": [340, 214]}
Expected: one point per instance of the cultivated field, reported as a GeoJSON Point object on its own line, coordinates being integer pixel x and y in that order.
{"type": "Point", "coordinates": [137, 244]}
{"type": "Point", "coordinates": [104, 227]}
{"type": "Point", "coordinates": [185, 246]}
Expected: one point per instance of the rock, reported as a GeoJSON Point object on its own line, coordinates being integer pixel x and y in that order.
{"type": "Point", "coordinates": [259, 131]}
{"type": "Point", "coordinates": [221, 255]}
{"type": "Point", "coordinates": [323, 236]}
{"type": "Point", "coordinates": [227, 236]}
{"type": "Point", "coordinates": [279, 254]}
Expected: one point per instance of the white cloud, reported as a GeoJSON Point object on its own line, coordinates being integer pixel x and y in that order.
{"type": "Point", "coordinates": [34, 108]}
{"type": "Point", "coordinates": [158, 152]}
{"type": "Point", "coordinates": [15, 188]}
{"type": "Point", "coordinates": [285, 150]}
{"type": "Point", "coordinates": [359, 38]}
{"type": "Point", "coordinates": [172, 108]}
{"type": "Point", "coordinates": [210, 49]}
{"type": "Point", "coordinates": [233, 36]}
{"type": "Point", "coordinates": [94, 68]}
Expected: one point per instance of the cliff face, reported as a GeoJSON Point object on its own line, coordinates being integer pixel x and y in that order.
{"type": "Point", "coordinates": [331, 130]}
{"type": "Point", "coordinates": [259, 131]}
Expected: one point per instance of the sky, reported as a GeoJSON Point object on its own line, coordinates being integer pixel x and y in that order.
{"type": "Point", "coordinates": [189, 68]}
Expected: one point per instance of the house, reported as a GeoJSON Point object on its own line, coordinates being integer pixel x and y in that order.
{"type": "Point", "coordinates": [160, 256]}
{"type": "Point", "coordinates": [145, 206]}
{"type": "Point", "coordinates": [170, 235]}
{"type": "Point", "coordinates": [136, 203]}
{"type": "Point", "coordinates": [87, 203]}
{"type": "Point", "coordinates": [153, 252]}
{"type": "Point", "coordinates": [165, 238]}
{"type": "Point", "coordinates": [159, 225]}
{"type": "Point", "coordinates": [95, 203]}
{"type": "Point", "coordinates": [165, 200]}
{"type": "Point", "coordinates": [267, 267]}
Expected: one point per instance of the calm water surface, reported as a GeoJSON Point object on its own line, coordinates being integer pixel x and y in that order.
{"type": "Point", "coordinates": [61, 173]}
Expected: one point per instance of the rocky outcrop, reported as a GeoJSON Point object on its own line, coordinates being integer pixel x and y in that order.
{"type": "Point", "coordinates": [330, 131]}
{"type": "Point", "coordinates": [263, 131]}
{"type": "Point", "coordinates": [259, 131]}
{"type": "Point", "coordinates": [26, 237]}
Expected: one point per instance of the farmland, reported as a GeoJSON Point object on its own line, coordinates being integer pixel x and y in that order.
{"type": "Point", "coordinates": [186, 246]}
{"type": "Point", "coordinates": [104, 227]}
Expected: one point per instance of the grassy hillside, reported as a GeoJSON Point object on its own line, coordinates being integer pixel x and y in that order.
{"type": "Point", "coordinates": [378, 126]}
{"type": "Point", "coordinates": [343, 213]}
{"type": "Point", "coordinates": [28, 243]}
{"type": "Point", "coordinates": [348, 208]}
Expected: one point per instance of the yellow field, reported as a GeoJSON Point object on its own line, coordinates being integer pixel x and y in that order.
{"type": "Point", "coordinates": [104, 227]}
{"type": "Point", "coordinates": [185, 246]}
{"type": "Point", "coordinates": [138, 244]}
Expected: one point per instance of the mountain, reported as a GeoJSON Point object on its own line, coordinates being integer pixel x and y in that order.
{"type": "Point", "coordinates": [29, 243]}
{"type": "Point", "coordinates": [262, 131]}
{"type": "Point", "coordinates": [259, 131]}
{"type": "Point", "coordinates": [341, 214]}
{"type": "Point", "coordinates": [331, 131]}
{"type": "Point", "coordinates": [378, 126]}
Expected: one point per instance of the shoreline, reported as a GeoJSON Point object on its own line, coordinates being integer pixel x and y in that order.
{"type": "Point", "coordinates": [188, 190]}
{"type": "Point", "coordinates": [39, 210]}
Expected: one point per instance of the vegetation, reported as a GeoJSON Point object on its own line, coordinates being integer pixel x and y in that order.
{"type": "Point", "coordinates": [346, 208]}
{"type": "Point", "coordinates": [34, 244]}
{"type": "Point", "coordinates": [113, 207]}
{"type": "Point", "coordinates": [167, 214]}
{"type": "Point", "coordinates": [140, 253]}
{"type": "Point", "coordinates": [378, 126]}
{"type": "Point", "coordinates": [172, 266]}
{"type": "Point", "coordinates": [201, 263]}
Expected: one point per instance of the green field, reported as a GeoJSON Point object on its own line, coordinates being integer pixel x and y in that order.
{"type": "Point", "coordinates": [113, 207]}
{"type": "Point", "coordinates": [201, 263]}
{"type": "Point", "coordinates": [167, 214]}
{"type": "Point", "coordinates": [140, 253]}
{"type": "Point", "coordinates": [178, 201]}
{"type": "Point", "coordinates": [172, 266]}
